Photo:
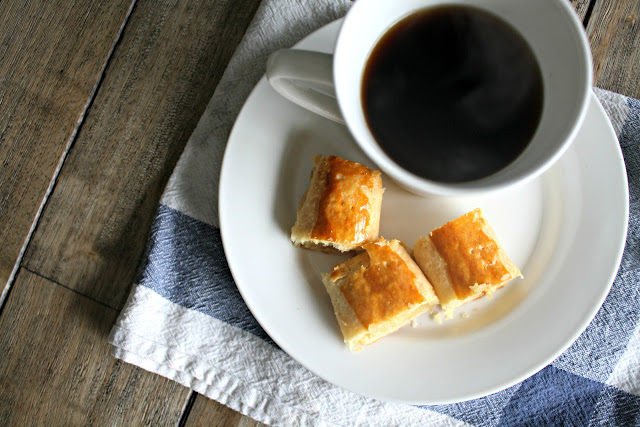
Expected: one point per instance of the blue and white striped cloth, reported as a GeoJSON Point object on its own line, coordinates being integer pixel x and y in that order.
{"type": "Point", "coordinates": [185, 318]}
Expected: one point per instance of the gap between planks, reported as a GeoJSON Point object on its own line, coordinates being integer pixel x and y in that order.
{"type": "Point", "coordinates": [65, 154]}
{"type": "Point", "coordinates": [186, 410]}
{"type": "Point", "coordinates": [54, 282]}
{"type": "Point", "coordinates": [587, 14]}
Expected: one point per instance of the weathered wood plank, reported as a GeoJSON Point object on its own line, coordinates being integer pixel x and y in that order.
{"type": "Point", "coordinates": [56, 368]}
{"type": "Point", "coordinates": [614, 34]}
{"type": "Point", "coordinates": [162, 75]}
{"type": "Point", "coordinates": [207, 412]}
{"type": "Point", "coordinates": [52, 54]}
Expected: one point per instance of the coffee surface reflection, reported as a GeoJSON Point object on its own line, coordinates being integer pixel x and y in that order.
{"type": "Point", "coordinates": [452, 93]}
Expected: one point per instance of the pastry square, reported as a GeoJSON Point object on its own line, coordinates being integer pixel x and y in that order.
{"type": "Point", "coordinates": [340, 210]}
{"type": "Point", "coordinates": [377, 292]}
{"type": "Point", "coordinates": [464, 261]}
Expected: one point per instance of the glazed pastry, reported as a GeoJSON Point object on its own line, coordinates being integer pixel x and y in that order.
{"type": "Point", "coordinates": [340, 211]}
{"type": "Point", "coordinates": [464, 261]}
{"type": "Point", "coordinates": [377, 292]}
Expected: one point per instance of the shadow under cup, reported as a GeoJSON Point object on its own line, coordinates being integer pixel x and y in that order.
{"type": "Point", "coordinates": [558, 42]}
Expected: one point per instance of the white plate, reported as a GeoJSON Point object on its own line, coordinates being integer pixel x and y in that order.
{"type": "Point", "coordinates": [565, 230]}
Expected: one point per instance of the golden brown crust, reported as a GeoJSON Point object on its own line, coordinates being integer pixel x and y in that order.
{"type": "Point", "coordinates": [382, 290]}
{"type": "Point", "coordinates": [377, 292]}
{"type": "Point", "coordinates": [471, 255]}
{"type": "Point", "coordinates": [341, 208]}
{"type": "Point", "coordinates": [464, 260]}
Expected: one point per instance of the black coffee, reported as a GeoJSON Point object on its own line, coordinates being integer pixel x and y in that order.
{"type": "Point", "coordinates": [452, 93]}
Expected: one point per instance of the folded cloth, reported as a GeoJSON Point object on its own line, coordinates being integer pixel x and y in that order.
{"type": "Point", "coordinates": [185, 319]}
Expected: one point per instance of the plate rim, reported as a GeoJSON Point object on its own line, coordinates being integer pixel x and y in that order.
{"type": "Point", "coordinates": [594, 103]}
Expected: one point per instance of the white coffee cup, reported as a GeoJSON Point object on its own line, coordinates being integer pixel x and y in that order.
{"type": "Point", "coordinates": [330, 85]}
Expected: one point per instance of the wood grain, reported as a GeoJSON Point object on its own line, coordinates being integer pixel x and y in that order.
{"type": "Point", "coordinates": [52, 54]}
{"type": "Point", "coordinates": [56, 368]}
{"type": "Point", "coordinates": [614, 35]}
{"type": "Point", "coordinates": [162, 75]}
{"type": "Point", "coordinates": [207, 412]}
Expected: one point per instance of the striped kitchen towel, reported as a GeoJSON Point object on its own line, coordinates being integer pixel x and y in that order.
{"type": "Point", "coordinates": [186, 320]}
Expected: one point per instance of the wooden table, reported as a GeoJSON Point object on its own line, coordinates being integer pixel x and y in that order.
{"type": "Point", "coordinates": [97, 100]}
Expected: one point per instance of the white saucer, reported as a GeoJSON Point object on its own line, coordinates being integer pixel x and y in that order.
{"type": "Point", "coordinates": [565, 230]}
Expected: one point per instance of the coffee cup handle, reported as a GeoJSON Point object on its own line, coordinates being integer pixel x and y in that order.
{"type": "Point", "coordinates": [306, 78]}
